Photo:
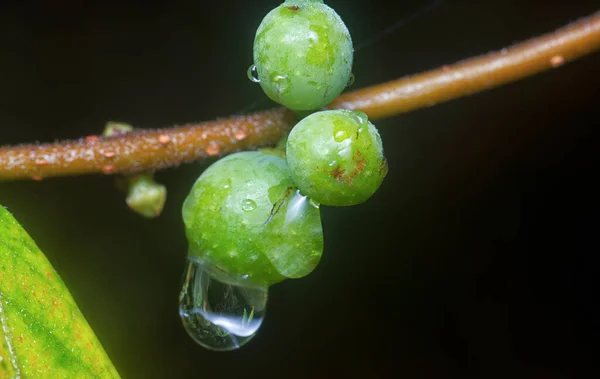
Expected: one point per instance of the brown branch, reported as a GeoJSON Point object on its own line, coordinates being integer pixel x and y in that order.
{"type": "Point", "coordinates": [477, 74]}
{"type": "Point", "coordinates": [143, 150]}
{"type": "Point", "coordinates": [155, 149]}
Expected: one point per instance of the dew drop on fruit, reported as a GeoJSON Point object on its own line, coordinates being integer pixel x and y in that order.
{"type": "Point", "coordinates": [248, 205]}
{"type": "Point", "coordinates": [350, 80]}
{"type": "Point", "coordinates": [340, 133]}
{"type": "Point", "coordinates": [220, 312]}
{"type": "Point", "coordinates": [253, 74]}
{"type": "Point", "coordinates": [314, 204]}
{"type": "Point", "coordinates": [281, 83]}
{"type": "Point", "coordinates": [296, 226]}
{"type": "Point", "coordinates": [361, 117]}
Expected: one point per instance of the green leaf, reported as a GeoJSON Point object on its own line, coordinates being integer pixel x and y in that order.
{"type": "Point", "coordinates": [43, 334]}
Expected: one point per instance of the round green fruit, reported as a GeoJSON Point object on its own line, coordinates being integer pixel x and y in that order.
{"type": "Point", "coordinates": [303, 54]}
{"type": "Point", "coordinates": [336, 157]}
{"type": "Point", "coordinates": [245, 216]}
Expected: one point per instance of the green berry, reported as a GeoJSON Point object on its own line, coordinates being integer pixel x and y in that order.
{"type": "Point", "coordinates": [303, 54]}
{"type": "Point", "coordinates": [336, 157]}
{"type": "Point", "coordinates": [245, 217]}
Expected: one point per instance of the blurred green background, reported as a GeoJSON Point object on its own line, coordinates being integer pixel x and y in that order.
{"type": "Point", "coordinates": [475, 258]}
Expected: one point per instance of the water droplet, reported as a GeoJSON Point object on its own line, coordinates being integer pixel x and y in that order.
{"type": "Point", "coordinates": [279, 79]}
{"type": "Point", "coordinates": [296, 223]}
{"type": "Point", "coordinates": [314, 203]}
{"type": "Point", "coordinates": [248, 205]}
{"type": "Point", "coordinates": [361, 117]}
{"type": "Point", "coordinates": [341, 133]}
{"type": "Point", "coordinates": [350, 80]}
{"type": "Point", "coordinates": [253, 74]}
{"type": "Point", "coordinates": [220, 312]}
{"type": "Point", "coordinates": [281, 83]}
{"type": "Point", "coordinates": [227, 184]}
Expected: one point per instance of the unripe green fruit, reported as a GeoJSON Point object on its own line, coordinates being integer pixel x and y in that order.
{"type": "Point", "coordinates": [336, 157]}
{"type": "Point", "coordinates": [303, 54]}
{"type": "Point", "coordinates": [244, 216]}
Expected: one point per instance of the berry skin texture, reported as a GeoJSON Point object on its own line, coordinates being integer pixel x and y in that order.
{"type": "Point", "coordinates": [244, 217]}
{"type": "Point", "coordinates": [336, 157]}
{"type": "Point", "coordinates": [303, 54]}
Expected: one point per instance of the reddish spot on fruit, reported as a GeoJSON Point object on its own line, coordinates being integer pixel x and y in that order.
{"type": "Point", "coordinates": [37, 178]}
{"type": "Point", "coordinates": [41, 162]}
{"type": "Point", "coordinates": [338, 174]}
{"type": "Point", "coordinates": [48, 275]}
{"type": "Point", "coordinates": [164, 139]}
{"type": "Point", "coordinates": [109, 154]}
{"type": "Point", "coordinates": [109, 169]}
{"type": "Point", "coordinates": [91, 139]}
{"type": "Point", "coordinates": [20, 339]}
{"type": "Point", "coordinates": [360, 165]}
{"type": "Point", "coordinates": [212, 149]}
{"type": "Point", "coordinates": [293, 8]}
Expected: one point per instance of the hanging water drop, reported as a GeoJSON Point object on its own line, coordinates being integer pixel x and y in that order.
{"type": "Point", "coordinates": [350, 80]}
{"type": "Point", "coordinates": [220, 312]}
{"type": "Point", "coordinates": [253, 74]}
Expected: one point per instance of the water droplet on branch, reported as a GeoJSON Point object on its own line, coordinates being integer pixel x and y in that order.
{"type": "Point", "coordinates": [220, 312]}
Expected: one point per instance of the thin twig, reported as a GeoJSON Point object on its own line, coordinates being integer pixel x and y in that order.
{"type": "Point", "coordinates": [142, 150]}
{"type": "Point", "coordinates": [477, 74]}
{"type": "Point", "coordinates": [155, 149]}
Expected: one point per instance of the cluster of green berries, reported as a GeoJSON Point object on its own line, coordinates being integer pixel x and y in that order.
{"type": "Point", "coordinates": [255, 215]}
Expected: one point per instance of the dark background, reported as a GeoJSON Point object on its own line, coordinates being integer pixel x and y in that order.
{"type": "Point", "coordinates": [474, 260]}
